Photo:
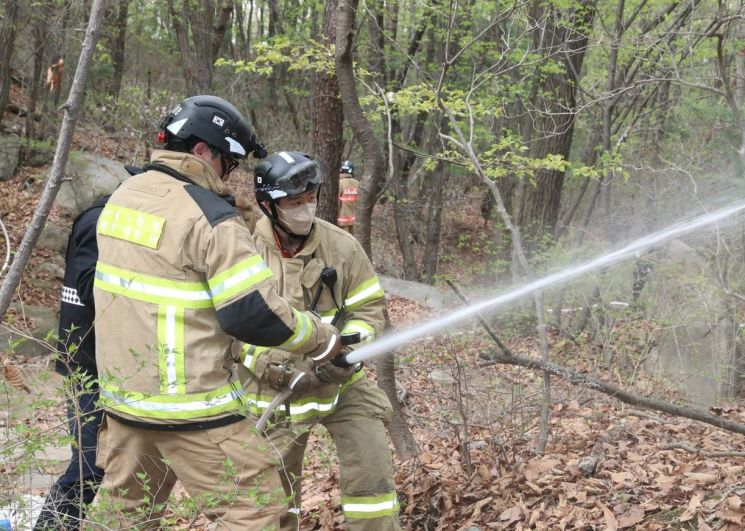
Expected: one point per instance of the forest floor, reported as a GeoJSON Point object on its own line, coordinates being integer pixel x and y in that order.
{"type": "Point", "coordinates": [476, 425]}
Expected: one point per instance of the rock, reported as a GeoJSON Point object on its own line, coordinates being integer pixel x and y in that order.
{"type": "Point", "coordinates": [10, 146]}
{"type": "Point", "coordinates": [54, 237]}
{"type": "Point", "coordinates": [424, 294]}
{"type": "Point", "coordinates": [90, 176]}
{"type": "Point", "coordinates": [441, 377]}
{"type": "Point", "coordinates": [477, 445]}
{"type": "Point", "coordinates": [588, 464]}
{"type": "Point", "coordinates": [44, 320]}
{"type": "Point", "coordinates": [57, 269]}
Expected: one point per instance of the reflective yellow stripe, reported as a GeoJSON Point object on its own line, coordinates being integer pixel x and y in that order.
{"type": "Point", "coordinates": [239, 278]}
{"type": "Point", "coordinates": [251, 353]}
{"type": "Point", "coordinates": [152, 289]}
{"type": "Point", "coordinates": [131, 225]}
{"type": "Point", "coordinates": [365, 292]}
{"type": "Point", "coordinates": [356, 507]}
{"type": "Point", "coordinates": [171, 350]}
{"type": "Point", "coordinates": [328, 316]}
{"type": "Point", "coordinates": [367, 332]}
{"type": "Point", "coordinates": [176, 407]}
{"type": "Point", "coordinates": [301, 334]}
{"type": "Point", "coordinates": [304, 408]}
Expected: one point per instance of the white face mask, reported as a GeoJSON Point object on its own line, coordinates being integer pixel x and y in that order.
{"type": "Point", "coordinates": [298, 219]}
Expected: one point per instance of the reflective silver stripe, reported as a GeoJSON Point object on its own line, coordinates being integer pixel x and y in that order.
{"type": "Point", "coordinates": [302, 336]}
{"type": "Point", "coordinates": [296, 380]}
{"type": "Point", "coordinates": [156, 291]}
{"type": "Point", "coordinates": [370, 507]}
{"type": "Point", "coordinates": [240, 276]}
{"type": "Point", "coordinates": [172, 406]}
{"type": "Point", "coordinates": [362, 295]}
{"type": "Point", "coordinates": [310, 406]}
{"type": "Point", "coordinates": [295, 409]}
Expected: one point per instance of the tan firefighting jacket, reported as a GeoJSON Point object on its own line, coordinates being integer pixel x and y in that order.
{"type": "Point", "coordinates": [357, 292]}
{"type": "Point", "coordinates": [348, 191]}
{"type": "Point", "coordinates": [177, 276]}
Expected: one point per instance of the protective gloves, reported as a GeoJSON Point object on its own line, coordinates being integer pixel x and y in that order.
{"type": "Point", "coordinates": [331, 348]}
{"type": "Point", "coordinates": [303, 380]}
{"type": "Point", "coordinates": [329, 373]}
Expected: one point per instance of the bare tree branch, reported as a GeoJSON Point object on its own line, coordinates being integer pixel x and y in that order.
{"type": "Point", "coordinates": [72, 109]}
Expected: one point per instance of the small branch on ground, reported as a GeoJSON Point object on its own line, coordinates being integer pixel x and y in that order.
{"type": "Point", "coordinates": [577, 378]}
{"type": "Point", "coordinates": [703, 453]}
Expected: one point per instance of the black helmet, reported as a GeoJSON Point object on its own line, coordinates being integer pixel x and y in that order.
{"type": "Point", "coordinates": [347, 167]}
{"type": "Point", "coordinates": [214, 121]}
{"type": "Point", "coordinates": [285, 174]}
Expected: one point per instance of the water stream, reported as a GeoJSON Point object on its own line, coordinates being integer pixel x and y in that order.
{"type": "Point", "coordinates": [435, 326]}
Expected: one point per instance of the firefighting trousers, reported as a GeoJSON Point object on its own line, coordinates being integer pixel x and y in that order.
{"type": "Point", "coordinates": [227, 471]}
{"type": "Point", "coordinates": [369, 501]}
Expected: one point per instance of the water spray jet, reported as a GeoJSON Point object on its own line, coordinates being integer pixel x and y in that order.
{"type": "Point", "coordinates": [392, 341]}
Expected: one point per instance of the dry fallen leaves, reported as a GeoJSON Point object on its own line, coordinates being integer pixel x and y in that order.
{"type": "Point", "coordinates": [13, 374]}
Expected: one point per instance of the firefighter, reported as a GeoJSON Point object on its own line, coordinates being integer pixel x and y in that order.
{"type": "Point", "coordinates": [64, 506]}
{"type": "Point", "coordinates": [320, 267]}
{"type": "Point", "coordinates": [178, 278]}
{"type": "Point", "coordinates": [348, 190]}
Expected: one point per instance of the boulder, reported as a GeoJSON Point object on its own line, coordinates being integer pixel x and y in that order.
{"type": "Point", "coordinates": [90, 176]}
{"type": "Point", "coordinates": [697, 346]}
{"type": "Point", "coordinates": [10, 146]}
{"type": "Point", "coordinates": [54, 237]}
{"type": "Point", "coordinates": [423, 294]}
{"type": "Point", "coordinates": [38, 323]}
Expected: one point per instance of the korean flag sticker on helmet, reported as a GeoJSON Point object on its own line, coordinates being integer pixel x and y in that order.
{"type": "Point", "coordinates": [217, 120]}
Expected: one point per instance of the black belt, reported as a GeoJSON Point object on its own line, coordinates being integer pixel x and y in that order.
{"type": "Point", "coordinates": [192, 426]}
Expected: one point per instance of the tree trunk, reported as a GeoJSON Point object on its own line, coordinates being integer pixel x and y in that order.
{"type": "Point", "coordinates": [41, 36]}
{"type": "Point", "coordinates": [374, 168]}
{"type": "Point", "coordinates": [117, 47]}
{"type": "Point", "coordinates": [438, 182]}
{"type": "Point", "coordinates": [401, 436]}
{"type": "Point", "coordinates": [72, 109]}
{"type": "Point", "coordinates": [328, 124]}
{"type": "Point", "coordinates": [7, 45]}
{"type": "Point", "coordinates": [198, 55]}
{"type": "Point", "coordinates": [564, 37]}
{"type": "Point", "coordinates": [363, 131]}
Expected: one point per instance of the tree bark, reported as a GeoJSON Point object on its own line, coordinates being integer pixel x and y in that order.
{"type": "Point", "coordinates": [438, 181]}
{"type": "Point", "coordinates": [363, 131]}
{"type": "Point", "coordinates": [401, 436]}
{"type": "Point", "coordinates": [328, 124]}
{"type": "Point", "coordinates": [117, 47]}
{"type": "Point", "coordinates": [41, 36]}
{"type": "Point", "coordinates": [207, 23]}
{"type": "Point", "coordinates": [72, 109]}
{"type": "Point", "coordinates": [565, 33]}
{"type": "Point", "coordinates": [7, 45]}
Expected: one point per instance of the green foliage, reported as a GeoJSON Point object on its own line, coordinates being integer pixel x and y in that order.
{"type": "Point", "coordinates": [306, 56]}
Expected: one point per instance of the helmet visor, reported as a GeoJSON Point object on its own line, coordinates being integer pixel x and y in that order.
{"type": "Point", "coordinates": [301, 178]}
